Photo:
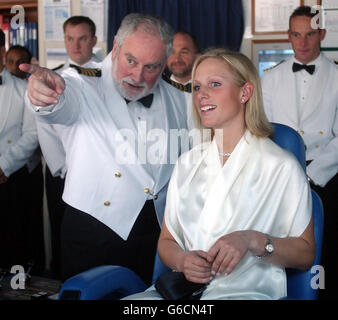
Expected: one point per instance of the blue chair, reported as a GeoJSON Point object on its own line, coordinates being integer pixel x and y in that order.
{"type": "Point", "coordinates": [115, 282]}
{"type": "Point", "coordinates": [299, 282]}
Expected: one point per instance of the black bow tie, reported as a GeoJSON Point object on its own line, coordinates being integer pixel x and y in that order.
{"type": "Point", "coordinates": [0, 80]}
{"type": "Point", "coordinates": [146, 101]}
{"type": "Point", "coordinates": [309, 68]}
{"type": "Point", "coordinates": [188, 87]}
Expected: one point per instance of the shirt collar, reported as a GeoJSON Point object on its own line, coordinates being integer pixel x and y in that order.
{"type": "Point", "coordinates": [70, 61]}
{"type": "Point", "coordinates": [172, 77]}
{"type": "Point", "coordinates": [315, 62]}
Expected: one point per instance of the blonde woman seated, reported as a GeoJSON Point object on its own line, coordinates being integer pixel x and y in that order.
{"type": "Point", "coordinates": [237, 198]}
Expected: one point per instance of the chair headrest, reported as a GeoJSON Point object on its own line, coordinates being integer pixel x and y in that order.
{"type": "Point", "coordinates": [289, 139]}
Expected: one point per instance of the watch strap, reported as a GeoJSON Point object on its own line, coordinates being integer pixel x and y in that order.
{"type": "Point", "coordinates": [267, 252]}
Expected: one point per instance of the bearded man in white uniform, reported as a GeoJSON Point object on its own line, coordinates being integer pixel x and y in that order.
{"type": "Point", "coordinates": [80, 39]}
{"type": "Point", "coordinates": [115, 192]}
{"type": "Point", "coordinates": [302, 93]}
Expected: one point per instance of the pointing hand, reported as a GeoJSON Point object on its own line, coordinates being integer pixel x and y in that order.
{"type": "Point", "coordinates": [44, 85]}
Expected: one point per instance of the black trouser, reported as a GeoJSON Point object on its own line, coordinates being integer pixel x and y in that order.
{"type": "Point", "coordinates": [13, 220]}
{"type": "Point", "coordinates": [34, 196]}
{"type": "Point", "coordinates": [56, 209]}
{"type": "Point", "coordinates": [86, 243]}
{"type": "Point", "coordinates": [21, 221]}
{"type": "Point", "coordinates": [329, 196]}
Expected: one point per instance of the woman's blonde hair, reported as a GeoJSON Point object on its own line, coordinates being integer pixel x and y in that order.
{"type": "Point", "coordinates": [244, 71]}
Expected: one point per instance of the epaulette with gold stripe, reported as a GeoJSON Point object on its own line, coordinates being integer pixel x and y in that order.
{"type": "Point", "coordinates": [90, 72]}
{"type": "Point", "coordinates": [177, 85]}
{"type": "Point", "coordinates": [274, 66]}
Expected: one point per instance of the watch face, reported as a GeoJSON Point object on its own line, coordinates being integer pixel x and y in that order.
{"type": "Point", "coordinates": [269, 248]}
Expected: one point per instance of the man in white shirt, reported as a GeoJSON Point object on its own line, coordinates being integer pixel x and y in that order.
{"type": "Point", "coordinates": [185, 50]}
{"type": "Point", "coordinates": [302, 93]}
{"type": "Point", "coordinates": [80, 39]}
{"type": "Point", "coordinates": [117, 119]}
{"type": "Point", "coordinates": [15, 56]}
{"type": "Point", "coordinates": [18, 141]}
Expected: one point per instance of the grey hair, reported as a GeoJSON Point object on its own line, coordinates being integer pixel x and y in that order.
{"type": "Point", "coordinates": [150, 24]}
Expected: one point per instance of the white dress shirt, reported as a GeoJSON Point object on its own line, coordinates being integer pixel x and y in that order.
{"type": "Point", "coordinates": [304, 82]}
{"type": "Point", "coordinates": [147, 121]}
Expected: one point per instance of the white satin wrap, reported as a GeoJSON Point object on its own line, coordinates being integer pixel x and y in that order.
{"type": "Point", "coordinates": [261, 187]}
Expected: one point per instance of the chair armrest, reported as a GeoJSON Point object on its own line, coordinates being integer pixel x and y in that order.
{"type": "Point", "coordinates": [103, 282]}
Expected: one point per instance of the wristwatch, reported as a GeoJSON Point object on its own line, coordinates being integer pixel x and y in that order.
{"type": "Point", "coordinates": [269, 248]}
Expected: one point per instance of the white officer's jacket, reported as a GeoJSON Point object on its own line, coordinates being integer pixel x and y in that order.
{"type": "Point", "coordinates": [18, 136]}
{"type": "Point", "coordinates": [49, 136]}
{"type": "Point", "coordinates": [97, 181]}
{"type": "Point", "coordinates": [318, 123]}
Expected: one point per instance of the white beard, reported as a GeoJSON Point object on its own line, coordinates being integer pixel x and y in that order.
{"type": "Point", "coordinates": [123, 92]}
